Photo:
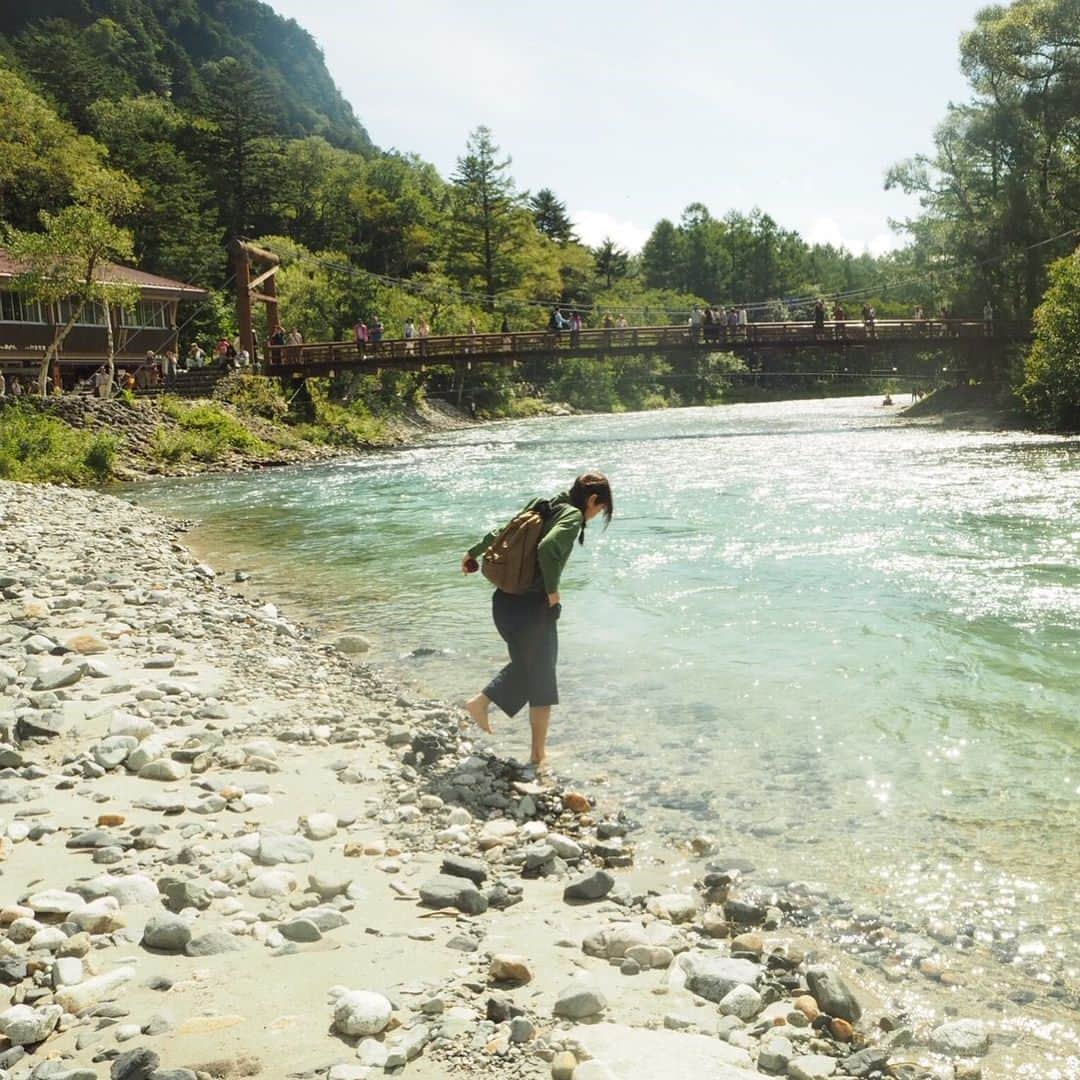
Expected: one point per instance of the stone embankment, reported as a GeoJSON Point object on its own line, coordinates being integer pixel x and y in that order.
{"type": "Point", "coordinates": [227, 850]}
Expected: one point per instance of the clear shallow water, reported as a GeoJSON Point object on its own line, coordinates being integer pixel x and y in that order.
{"type": "Point", "coordinates": [846, 645]}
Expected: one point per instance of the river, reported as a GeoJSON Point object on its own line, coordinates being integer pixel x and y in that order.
{"type": "Point", "coordinates": [845, 645]}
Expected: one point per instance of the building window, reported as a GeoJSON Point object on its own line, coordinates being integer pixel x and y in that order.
{"type": "Point", "coordinates": [20, 309]}
{"type": "Point", "coordinates": [91, 314]}
{"type": "Point", "coordinates": [147, 314]}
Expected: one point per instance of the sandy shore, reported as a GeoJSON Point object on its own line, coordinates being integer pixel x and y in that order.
{"type": "Point", "coordinates": [227, 850]}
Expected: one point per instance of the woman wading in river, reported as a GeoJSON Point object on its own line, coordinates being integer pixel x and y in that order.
{"type": "Point", "coordinates": [527, 617]}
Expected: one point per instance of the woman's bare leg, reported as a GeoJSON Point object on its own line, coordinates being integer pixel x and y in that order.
{"type": "Point", "coordinates": [477, 707]}
{"type": "Point", "coordinates": [539, 718]}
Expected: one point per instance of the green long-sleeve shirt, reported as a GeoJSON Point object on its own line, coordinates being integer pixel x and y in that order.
{"type": "Point", "coordinates": [555, 545]}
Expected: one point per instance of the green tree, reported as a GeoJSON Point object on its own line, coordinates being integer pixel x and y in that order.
{"type": "Point", "coordinates": [41, 156]}
{"type": "Point", "coordinates": [400, 206]}
{"type": "Point", "coordinates": [68, 260]}
{"type": "Point", "coordinates": [551, 217]}
{"type": "Point", "coordinates": [1004, 176]}
{"type": "Point", "coordinates": [612, 262]}
{"type": "Point", "coordinates": [1051, 388]}
{"type": "Point", "coordinates": [175, 224]}
{"type": "Point", "coordinates": [486, 225]}
{"type": "Point", "coordinates": [310, 193]}
{"type": "Point", "coordinates": [239, 147]}
{"type": "Point", "coordinates": [661, 257]}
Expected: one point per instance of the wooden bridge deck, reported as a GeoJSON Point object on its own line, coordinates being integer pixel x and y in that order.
{"type": "Point", "coordinates": [322, 357]}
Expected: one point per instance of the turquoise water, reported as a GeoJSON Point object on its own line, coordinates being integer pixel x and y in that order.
{"type": "Point", "coordinates": [843, 643]}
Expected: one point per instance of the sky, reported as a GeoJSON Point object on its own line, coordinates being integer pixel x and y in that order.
{"type": "Point", "coordinates": [630, 111]}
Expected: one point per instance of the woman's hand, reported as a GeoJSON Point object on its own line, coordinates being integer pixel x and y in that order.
{"type": "Point", "coordinates": [469, 565]}
{"type": "Point", "coordinates": [553, 599]}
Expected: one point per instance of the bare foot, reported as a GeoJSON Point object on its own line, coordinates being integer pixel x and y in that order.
{"type": "Point", "coordinates": [477, 708]}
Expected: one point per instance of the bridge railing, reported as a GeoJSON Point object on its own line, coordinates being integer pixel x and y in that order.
{"type": "Point", "coordinates": [450, 348]}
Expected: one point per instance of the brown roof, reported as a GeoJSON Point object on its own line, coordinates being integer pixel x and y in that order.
{"type": "Point", "coordinates": [116, 273]}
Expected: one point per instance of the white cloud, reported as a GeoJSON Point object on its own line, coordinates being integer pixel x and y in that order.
{"type": "Point", "coordinates": [827, 230]}
{"type": "Point", "coordinates": [594, 226]}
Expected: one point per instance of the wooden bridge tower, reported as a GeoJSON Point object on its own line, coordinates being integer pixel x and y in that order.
{"type": "Point", "coordinates": [245, 257]}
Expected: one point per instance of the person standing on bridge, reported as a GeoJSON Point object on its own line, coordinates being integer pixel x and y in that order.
{"type": "Point", "coordinates": [361, 333]}
{"type": "Point", "coordinates": [819, 319]}
{"type": "Point", "coordinates": [988, 319]}
{"type": "Point", "coordinates": [528, 620]}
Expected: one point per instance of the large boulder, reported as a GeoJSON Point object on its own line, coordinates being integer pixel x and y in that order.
{"type": "Point", "coordinates": [361, 1012]}
{"type": "Point", "coordinates": [714, 977]}
{"type": "Point", "coordinates": [166, 933]}
{"type": "Point", "coordinates": [25, 1026]}
{"type": "Point", "coordinates": [659, 1055]}
{"type": "Point", "coordinates": [445, 891]}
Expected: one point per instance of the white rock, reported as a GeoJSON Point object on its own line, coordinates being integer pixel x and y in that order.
{"type": "Point", "coordinates": [48, 939]}
{"type": "Point", "coordinates": [55, 902]}
{"type": "Point", "coordinates": [658, 1055]}
{"type": "Point", "coordinates": [964, 1038]}
{"type": "Point", "coordinates": [137, 727]}
{"type": "Point", "coordinates": [273, 883]}
{"type": "Point", "coordinates": [361, 1012]}
{"type": "Point", "coordinates": [275, 848]}
{"type": "Point", "coordinates": [371, 1052]}
{"type": "Point", "coordinates": [163, 769]}
{"type": "Point", "coordinates": [129, 888]}
{"type": "Point", "coordinates": [23, 1025]}
{"type": "Point", "coordinates": [67, 971]}
{"type": "Point", "coordinates": [101, 916]}
{"type": "Point", "coordinates": [565, 848]}
{"type": "Point", "coordinates": [742, 1001]}
{"type": "Point", "coordinates": [76, 999]}
{"type": "Point", "coordinates": [319, 826]}
{"type": "Point", "coordinates": [458, 816]}
{"type": "Point", "coordinates": [678, 907]}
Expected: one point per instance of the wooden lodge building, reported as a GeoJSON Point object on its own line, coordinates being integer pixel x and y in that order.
{"type": "Point", "coordinates": [28, 327]}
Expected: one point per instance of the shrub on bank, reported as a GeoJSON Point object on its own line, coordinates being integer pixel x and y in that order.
{"type": "Point", "coordinates": [207, 433]}
{"type": "Point", "coordinates": [1051, 388]}
{"type": "Point", "coordinates": [338, 424]}
{"type": "Point", "coordinates": [253, 395]}
{"type": "Point", "coordinates": [35, 448]}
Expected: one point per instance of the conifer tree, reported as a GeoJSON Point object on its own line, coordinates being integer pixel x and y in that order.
{"type": "Point", "coordinates": [486, 218]}
{"type": "Point", "coordinates": [551, 217]}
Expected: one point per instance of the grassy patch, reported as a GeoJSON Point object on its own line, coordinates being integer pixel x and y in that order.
{"type": "Point", "coordinates": [207, 432]}
{"type": "Point", "coordinates": [35, 448]}
{"type": "Point", "coordinates": [341, 425]}
{"type": "Point", "coordinates": [253, 395]}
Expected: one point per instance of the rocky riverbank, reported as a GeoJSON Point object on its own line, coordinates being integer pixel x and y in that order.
{"type": "Point", "coordinates": [228, 850]}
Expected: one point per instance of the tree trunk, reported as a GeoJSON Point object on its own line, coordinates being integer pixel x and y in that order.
{"type": "Point", "coordinates": [111, 359]}
{"type": "Point", "coordinates": [54, 349]}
